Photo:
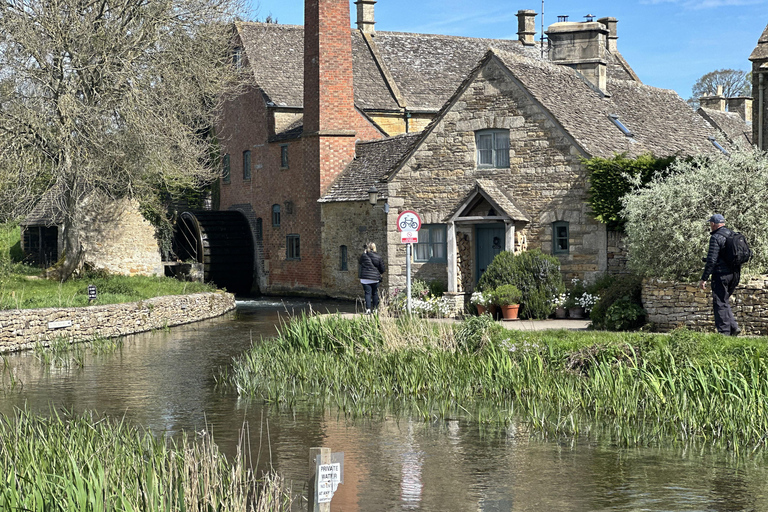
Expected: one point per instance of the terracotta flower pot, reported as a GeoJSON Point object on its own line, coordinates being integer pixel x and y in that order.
{"type": "Point", "coordinates": [509, 312]}
{"type": "Point", "coordinates": [480, 309]}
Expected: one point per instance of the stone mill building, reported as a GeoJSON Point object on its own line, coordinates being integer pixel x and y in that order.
{"type": "Point", "coordinates": [483, 138]}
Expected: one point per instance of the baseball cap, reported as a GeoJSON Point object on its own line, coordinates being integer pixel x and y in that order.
{"type": "Point", "coordinates": [717, 219]}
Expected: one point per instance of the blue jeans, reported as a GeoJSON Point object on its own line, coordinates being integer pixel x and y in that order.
{"type": "Point", "coordinates": [371, 295]}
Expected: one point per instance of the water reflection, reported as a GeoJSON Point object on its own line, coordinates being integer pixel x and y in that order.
{"type": "Point", "coordinates": [166, 381]}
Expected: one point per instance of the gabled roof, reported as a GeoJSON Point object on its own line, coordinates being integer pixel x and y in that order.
{"type": "Point", "coordinates": [659, 120]}
{"type": "Point", "coordinates": [373, 160]}
{"type": "Point", "coordinates": [500, 200]}
{"type": "Point", "coordinates": [46, 213]}
{"type": "Point", "coordinates": [736, 130]}
{"type": "Point", "coordinates": [761, 50]}
{"type": "Point", "coordinates": [426, 69]}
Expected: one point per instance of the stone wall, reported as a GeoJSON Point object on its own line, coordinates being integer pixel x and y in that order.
{"type": "Point", "coordinates": [670, 305]}
{"type": "Point", "coordinates": [120, 240]}
{"type": "Point", "coordinates": [22, 329]}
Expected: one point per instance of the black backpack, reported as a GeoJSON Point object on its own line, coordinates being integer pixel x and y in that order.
{"type": "Point", "coordinates": [736, 251]}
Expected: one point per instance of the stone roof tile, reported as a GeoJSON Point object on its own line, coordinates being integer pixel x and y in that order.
{"type": "Point", "coordinates": [730, 123]}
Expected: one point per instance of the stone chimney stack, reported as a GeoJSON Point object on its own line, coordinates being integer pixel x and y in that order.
{"type": "Point", "coordinates": [526, 27]}
{"type": "Point", "coordinates": [365, 20]}
{"type": "Point", "coordinates": [716, 102]}
{"type": "Point", "coordinates": [580, 46]}
{"type": "Point", "coordinates": [742, 105]}
{"type": "Point", "coordinates": [329, 103]}
{"type": "Point", "coordinates": [612, 40]}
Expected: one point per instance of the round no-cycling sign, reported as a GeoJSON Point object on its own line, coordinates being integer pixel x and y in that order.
{"type": "Point", "coordinates": [409, 223]}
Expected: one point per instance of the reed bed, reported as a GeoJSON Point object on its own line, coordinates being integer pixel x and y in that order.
{"type": "Point", "coordinates": [634, 388]}
{"type": "Point", "coordinates": [86, 464]}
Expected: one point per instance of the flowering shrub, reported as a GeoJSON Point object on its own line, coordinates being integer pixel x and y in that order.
{"type": "Point", "coordinates": [422, 301]}
{"type": "Point", "coordinates": [480, 299]}
{"type": "Point", "coordinates": [587, 301]}
{"type": "Point", "coordinates": [559, 301]}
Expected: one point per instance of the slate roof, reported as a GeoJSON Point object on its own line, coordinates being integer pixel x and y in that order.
{"type": "Point", "coordinates": [761, 50]}
{"type": "Point", "coordinates": [660, 121]}
{"type": "Point", "coordinates": [426, 69]}
{"type": "Point", "coordinates": [730, 123]}
{"type": "Point", "coordinates": [500, 199]}
{"type": "Point", "coordinates": [373, 160]}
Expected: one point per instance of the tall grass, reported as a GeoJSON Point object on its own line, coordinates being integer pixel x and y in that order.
{"type": "Point", "coordinates": [633, 388]}
{"type": "Point", "coordinates": [86, 464]}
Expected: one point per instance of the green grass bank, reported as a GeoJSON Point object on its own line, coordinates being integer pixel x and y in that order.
{"type": "Point", "coordinates": [88, 464]}
{"type": "Point", "coordinates": [634, 388]}
{"type": "Point", "coordinates": [23, 287]}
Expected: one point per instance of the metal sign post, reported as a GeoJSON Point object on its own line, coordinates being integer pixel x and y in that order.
{"type": "Point", "coordinates": [408, 223]}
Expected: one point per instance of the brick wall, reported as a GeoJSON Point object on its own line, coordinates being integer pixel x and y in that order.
{"type": "Point", "coordinates": [22, 329]}
{"type": "Point", "coordinates": [670, 305]}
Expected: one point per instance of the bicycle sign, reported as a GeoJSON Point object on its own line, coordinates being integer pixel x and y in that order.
{"type": "Point", "coordinates": [408, 221]}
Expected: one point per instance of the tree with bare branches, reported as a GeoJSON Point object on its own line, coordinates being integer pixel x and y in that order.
{"type": "Point", "coordinates": [734, 82]}
{"type": "Point", "coordinates": [109, 99]}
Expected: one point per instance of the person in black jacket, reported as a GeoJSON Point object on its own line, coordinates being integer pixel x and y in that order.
{"type": "Point", "coordinates": [724, 278]}
{"type": "Point", "coordinates": [371, 267]}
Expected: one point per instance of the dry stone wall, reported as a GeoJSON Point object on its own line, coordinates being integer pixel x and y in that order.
{"type": "Point", "coordinates": [670, 305]}
{"type": "Point", "coordinates": [22, 329]}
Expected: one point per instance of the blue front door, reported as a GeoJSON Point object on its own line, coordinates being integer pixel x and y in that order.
{"type": "Point", "coordinates": [490, 242]}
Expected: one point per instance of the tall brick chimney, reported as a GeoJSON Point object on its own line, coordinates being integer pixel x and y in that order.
{"type": "Point", "coordinates": [329, 103]}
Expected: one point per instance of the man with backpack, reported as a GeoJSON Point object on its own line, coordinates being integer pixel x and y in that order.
{"type": "Point", "coordinates": [727, 252]}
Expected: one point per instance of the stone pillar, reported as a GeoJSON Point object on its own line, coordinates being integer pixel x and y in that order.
{"type": "Point", "coordinates": [365, 20]}
{"type": "Point", "coordinates": [509, 236]}
{"type": "Point", "coordinates": [451, 249]}
{"type": "Point", "coordinates": [526, 27]}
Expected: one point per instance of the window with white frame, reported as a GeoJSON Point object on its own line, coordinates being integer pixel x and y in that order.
{"type": "Point", "coordinates": [432, 246]}
{"type": "Point", "coordinates": [492, 148]}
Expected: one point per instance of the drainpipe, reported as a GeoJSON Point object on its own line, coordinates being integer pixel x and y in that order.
{"type": "Point", "coordinates": [761, 109]}
{"type": "Point", "coordinates": [407, 117]}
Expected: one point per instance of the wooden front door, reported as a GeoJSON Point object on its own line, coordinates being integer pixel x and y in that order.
{"type": "Point", "coordinates": [490, 242]}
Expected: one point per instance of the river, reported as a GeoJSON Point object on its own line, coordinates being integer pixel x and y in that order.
{"type": "Point", "coordinates": [166, 381]}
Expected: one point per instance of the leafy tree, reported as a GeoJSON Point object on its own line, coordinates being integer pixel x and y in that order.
{"type": "Point", "coordinates": [735, 83]}
{"type": "Point", "coordinates": [610, 179]}
{"type": "Point", "coordinates": [667, 229]}
{"type": "Point", "coordinates": [109, 99]}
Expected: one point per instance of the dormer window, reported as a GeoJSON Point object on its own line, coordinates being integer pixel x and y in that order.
{"type": "Point", "coordinates": [717, 145]}
{"type": "Point", "coordinates": [492, 148]}
{"type": "Point", "coordinates": [620, 125]}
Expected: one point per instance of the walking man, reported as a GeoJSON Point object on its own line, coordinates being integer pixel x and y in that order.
{"type": "Point", "coordinates": [724, 278]}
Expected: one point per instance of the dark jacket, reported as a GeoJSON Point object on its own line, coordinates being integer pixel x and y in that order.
{"type": "Point", "coordinates": [371, 266]}
{"type": "Point", "coordinates": [715, 263]}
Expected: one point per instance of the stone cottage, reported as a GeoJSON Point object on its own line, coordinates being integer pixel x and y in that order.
{"type": "Point", "coordinates": [344, 129]}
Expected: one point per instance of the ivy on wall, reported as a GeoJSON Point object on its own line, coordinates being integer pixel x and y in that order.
{"type": "Point", "coordinates": [610, 179]}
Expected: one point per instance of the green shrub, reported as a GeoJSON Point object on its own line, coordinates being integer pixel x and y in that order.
{"type": "Point", "coordinates": [476, 332]}
{"type": "Point", "coordinates": [537, 275]}
{"type": "Point", "coordinates": [625, 289]}
{"type": "Point", "coordinates": [506, 294]}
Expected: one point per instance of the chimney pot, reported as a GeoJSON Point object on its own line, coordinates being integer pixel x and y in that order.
{"type": "Point", "coordinates": [526, 27]}
{"type": "Point", "coordinates": [610, 24]}
{"type": "Point", "coordinates": [365, 19]}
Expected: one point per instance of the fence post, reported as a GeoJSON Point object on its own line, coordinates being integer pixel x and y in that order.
{"type": "Point", "coordinates": [322, 455]}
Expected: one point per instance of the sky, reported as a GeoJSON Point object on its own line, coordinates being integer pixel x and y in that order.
{"type": "Point", "coordinates": [669, 43]}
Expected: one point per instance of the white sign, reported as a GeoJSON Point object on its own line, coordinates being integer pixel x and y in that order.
{"type": "Point", "coordinates": [408, 221]}
{"type": "Point", "coordinates": [60, 324]}
{"type": "Point", "coordinates": [328, 478]}
{"type": "Point", "coordinates": [409, 237]}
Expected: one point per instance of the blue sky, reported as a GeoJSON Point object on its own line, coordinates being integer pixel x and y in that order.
{"type": "Point", "coordinates": [669, 43]}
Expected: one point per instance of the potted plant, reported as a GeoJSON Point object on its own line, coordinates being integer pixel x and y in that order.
{"type": "Point", "coordinates": [481, 301]}
{"type": "Point", "coordinates": [559, 301]}
{"type": "Point", "coordinates": [507, 297]}
{"type": "Point", "coordinates": [573, 304]}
